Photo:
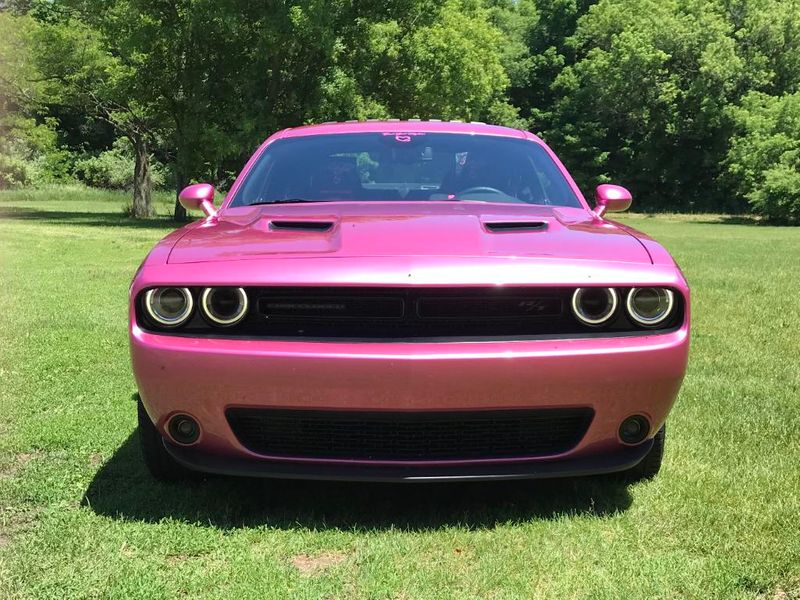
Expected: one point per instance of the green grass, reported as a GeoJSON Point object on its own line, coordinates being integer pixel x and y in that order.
{"type": "Point", "coordinates": [80, 518]}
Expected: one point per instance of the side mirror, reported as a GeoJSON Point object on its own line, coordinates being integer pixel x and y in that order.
{"type": "Point", "coordinates": [199, 196]}
{"type": "Point", "coordinates": [611, 198]}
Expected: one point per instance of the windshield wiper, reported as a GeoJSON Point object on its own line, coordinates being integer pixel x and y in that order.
{"type": "Point", "coordinates": [285, 201]}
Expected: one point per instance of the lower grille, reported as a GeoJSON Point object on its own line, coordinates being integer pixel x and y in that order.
{"type": "Point", "coordinates": [409, 436]}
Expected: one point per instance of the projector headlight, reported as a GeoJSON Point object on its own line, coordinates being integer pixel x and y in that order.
{"type": "Point", "coordinates": [224, 306]}
{"type": "Point", "coordinates": [650, 306]}
{"type": "Point", "coordinates": [170, 306]}
{"type": "Point", "coordinates": [594, 305]}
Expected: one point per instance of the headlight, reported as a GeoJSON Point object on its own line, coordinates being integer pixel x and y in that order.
{"type": "Point", "coordinates": [224, 305]}
{"type": "Point", "coordinates": [650, 306]}
{"type": "Point", "coordinates": [170, 306]}
{"type": "Point", "coordinates": [594, 305]}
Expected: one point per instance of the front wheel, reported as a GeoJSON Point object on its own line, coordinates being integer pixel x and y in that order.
{"type": "Point", "coordinates": [651, 463]}
{"type": "Point", "coordinates": [158, 461]}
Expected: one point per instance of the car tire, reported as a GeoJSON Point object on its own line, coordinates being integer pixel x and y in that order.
{"type": "Point", "coordinates": [156, 458]}
{"type": "Point", "coordinates": [651, 463]}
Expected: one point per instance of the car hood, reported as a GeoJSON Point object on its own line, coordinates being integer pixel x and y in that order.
{"type": "Point", "coordinates": [349, 229]}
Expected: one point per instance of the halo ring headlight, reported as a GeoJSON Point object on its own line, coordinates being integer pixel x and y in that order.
{"type": "Point", "coordinates": [224, 306]}
{"type": "Point", "coordinates": [594, 306]}
{"type": "Point", "coordinates": [169, 306]}
{"type": "Point", "coordinates": [650, 306]}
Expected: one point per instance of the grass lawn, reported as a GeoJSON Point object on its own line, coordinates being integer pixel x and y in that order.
{"type": "Point", "coordinates": [80, 518]}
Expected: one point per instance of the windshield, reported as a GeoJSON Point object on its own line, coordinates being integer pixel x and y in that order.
{"type": "Point", "coordinates": [405, 167]}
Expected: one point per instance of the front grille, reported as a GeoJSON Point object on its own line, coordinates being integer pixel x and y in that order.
{"type": "Point", "coordinates": [413, 313]}
{"type": "Point", "coordinates": [404, 436]}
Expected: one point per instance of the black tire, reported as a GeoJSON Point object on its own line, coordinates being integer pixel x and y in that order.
{"type": "Point", "coordinates": [158, 461]}
{"type": "Point", "coordinates": [651, 463]}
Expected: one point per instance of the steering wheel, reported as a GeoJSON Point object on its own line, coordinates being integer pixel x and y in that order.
{"type": "Point", "coordinates": [481, 189]}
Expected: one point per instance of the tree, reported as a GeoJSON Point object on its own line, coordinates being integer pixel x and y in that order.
{"type": "Point", "coordinates": [767, 34]}
{"type": "Point", "coordinates": [215, 76]}
{"type": "Point", "coordinates": [536, 51]}
{"type": "Point", "coordinates": [641, 91]}
{"type": "Point", "coordinates": [644, 101]}
{"type": "Point", "coordinates": [447, 66]}
{"type": "Point", "coordinates": [764, 155]}
{"type": "Point", "coordinates": [416, 59]}
{"type": "Point", "coordinates": [221, 75]}
{"type": "Point", "coordinates": [70, 65]}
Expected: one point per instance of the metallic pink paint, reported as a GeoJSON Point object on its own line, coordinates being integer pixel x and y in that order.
{"type": "Point", "coordinates": [199, 196]}
{"type": "Point", "coordinates": [371, 229]}
{"type": "Point", "coordinates": [611, 198]}
{"type": "Point", "coordinates": [408, 244]}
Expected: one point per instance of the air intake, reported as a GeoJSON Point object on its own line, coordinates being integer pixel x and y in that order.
{"type": "Point", "coordinates": [300, 225]}
{"type": "Point", "coordinates": [516, 226]}
{"type": "Point", "coordinates": [409, 436]}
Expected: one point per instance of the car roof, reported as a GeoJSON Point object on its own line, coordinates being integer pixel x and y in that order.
{"type": "Point", "coordinates": [399, 126]}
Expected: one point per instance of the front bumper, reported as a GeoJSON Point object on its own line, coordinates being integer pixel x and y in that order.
{"type": "Point", "coordinates": [615, 376]}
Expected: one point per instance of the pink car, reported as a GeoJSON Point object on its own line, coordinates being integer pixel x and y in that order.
{"type": "Point", "coordinates": [407, 300]}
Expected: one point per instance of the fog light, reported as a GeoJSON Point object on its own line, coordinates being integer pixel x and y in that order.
{"type": "Point", "coordinates": [184, 429]}
{"type": "Point", "coordinates": [634, 430]}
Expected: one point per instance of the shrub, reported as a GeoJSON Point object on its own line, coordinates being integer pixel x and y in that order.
{"type": "Point", "coordinates": [14, 172]}
{"type": "Point", "coordinates": [53, 166]}
{"type": "Point", "coordinates": [113, 169]}
{"type": "Point", "coordinates": [30, 154]}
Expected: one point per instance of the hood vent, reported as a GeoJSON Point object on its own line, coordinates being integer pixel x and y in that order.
{"type": "Point", "coordinates": [300, 225]}
{"type": "Point", "coordinates": [513, 226]}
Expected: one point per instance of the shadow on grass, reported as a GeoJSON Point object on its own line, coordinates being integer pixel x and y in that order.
{"type": "Point", "coordinates": [85, 219]}
{"type": "Point", "coordinates": [734, 220]}
{"type": "Point", "coordinates": [710, 219]}
{"type": "Point", "coordinates": [123, 489]}
{"type": "Point", "coordinates": [750, 220]}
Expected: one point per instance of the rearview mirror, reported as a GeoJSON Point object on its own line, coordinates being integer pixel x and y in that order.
{"type": "Point", "coordinates": [199, 196]}
{"type": "Point", "coordinates": [611, 198]}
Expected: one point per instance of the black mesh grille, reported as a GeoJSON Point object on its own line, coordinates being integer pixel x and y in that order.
{"type": "Point", "coordinates": [413, 312]}
{"type": "Point", "coordinates": [409, 436]}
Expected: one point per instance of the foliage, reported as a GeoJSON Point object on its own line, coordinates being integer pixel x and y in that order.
{"type": "Point", "coordinates": [764, 156]}
{"type": "Point", "coordinates": [77, 66]}
{"type": "Point", "coordinates": [30, 153]}
{"type": "Point", "coordinates": [443, 62]}
{"type": "Point", "coordinates": [14, 172]}
{"type": "Point", "coordinates": [113, 168]}
{"type": "Point", "coordinates": [642, 92]}
{"type": "Point", "coordinates": [647, 98]}
{"type": "Point", "coordinates": [644, 100]}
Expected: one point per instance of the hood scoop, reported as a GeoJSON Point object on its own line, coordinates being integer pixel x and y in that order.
{"type": "Point", "coordinates": [515, 226]}
{"type": "Point", "coordinates": [318, 226]}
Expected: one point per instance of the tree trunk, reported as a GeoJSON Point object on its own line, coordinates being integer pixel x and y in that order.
{"type": "Point", "coordinates": [180, 183]}
{"type": "Point", "coordinates": [142, 184]}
